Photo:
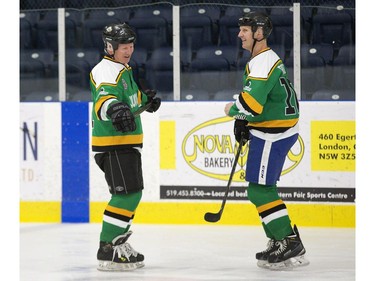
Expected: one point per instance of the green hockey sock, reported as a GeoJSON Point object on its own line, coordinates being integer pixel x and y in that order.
{"type": "Point", "coordinates": [118, 215]}
{"type": "Point", "coordinates": [271, 209]}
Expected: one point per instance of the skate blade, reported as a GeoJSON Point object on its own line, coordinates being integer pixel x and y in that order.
{"type": "Point", "coordinates": [140, 264]}
{"type": "Point", "coordinates": [263, 264]}
{"type": "Point", "coordinates": [114, 266]}
{"type": "Point", "coordinates": [289, 264]}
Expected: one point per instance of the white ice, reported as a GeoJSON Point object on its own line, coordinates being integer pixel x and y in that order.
{"type": "Point", "coordinates": [61, 252]}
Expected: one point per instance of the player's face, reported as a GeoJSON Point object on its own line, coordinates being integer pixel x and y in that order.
{"type": "Point", "coordinates": [246, 36]}
{"type": "Point", "coordinates": [124, 53]}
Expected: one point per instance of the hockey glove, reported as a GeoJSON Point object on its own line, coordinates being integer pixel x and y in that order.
{"type": "Point", "coordinates": [155, 102]}
{"type": "Point", "coordinates": [241, 130]}
{"type": "Point", "coordinates": [121, 117]}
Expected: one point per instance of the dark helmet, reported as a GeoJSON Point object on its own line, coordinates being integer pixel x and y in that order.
{"type": "Point", "coordinates": [255, 19]}
{"type": "Point", "coordinates": [118, 33]}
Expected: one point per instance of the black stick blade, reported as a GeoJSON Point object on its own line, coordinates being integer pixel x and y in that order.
{"type": "Point", "coordinates": [212, 217]}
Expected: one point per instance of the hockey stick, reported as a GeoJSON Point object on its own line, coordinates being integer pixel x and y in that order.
{"type": "Point", "coordinates": [142, 109]}
{"type": "Point", "coordinates": [214, 217]}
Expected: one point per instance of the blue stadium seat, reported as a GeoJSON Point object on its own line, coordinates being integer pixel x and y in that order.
{"type": "Point", "coordinates": [281, 10]}
{"type": "Point", "coordinates": [314, 73]}
{"type": "Point", "coordinates": [31, 69]}
{"type": "Point", "coordinates": [46, 32]}
{"type": "Point", "coordinates": [32, 16]}
{"type": "Point", "coordinates": [77, 74]}
{"type": "Point", "coordinates": [346, 55]}
{"type": "Point", "coordinates": [36, 58]}
{"type": "Point", "coordinates": [119, 14]}
{"type": "Point", "coordinates": [195, 32]}
{"type": "Point", "coordinates": [159, 70]}
{"type": "Point", "coordinates": [344, 69]}
{"type": "Point", "coordinates": [282, 32]}
{"type": "Point", "coordinates": [286, 8]}
{"type": "Point", "coordinates": [28, 20]}
{"type": "Point", "coordinates": [238, 11]}
{"type": "Point", "coordinates": [334, 29]}
{"type": "Point", "coordinates": [26, 34]}
{"type": "Point", "coordinates": [213, 58]}
{"type": "Point", "coordinates": [209, 73]}
{"type": "Point", "coordinates": [325, 51]}
{"type": "Point", "coordinates": [79, 63]}
{"type": "Point", "coordinates": [212, 11]}
{"type": "Point", "coordinates": [94, 23]}
{"type": "Point", "coordinates": [152, 32]}
{"type": "Point", "coordinates": [229, 53]}
{"type": "Point", "coordinates": [35, 70]}
{"type": "Point", "coordinates": [164, 11]}
{"type": "Point", "coordinates": [77, 16]}
{"type": "Point", "coordinates": [228, 31]}
{"type": "Point", "coordinates": [91, 56]}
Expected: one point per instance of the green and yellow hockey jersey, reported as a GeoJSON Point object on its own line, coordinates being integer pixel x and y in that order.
{"type": "Point", "coordinates": [111, 82]}
{"type": "Point", "coordinates": [268, 100]}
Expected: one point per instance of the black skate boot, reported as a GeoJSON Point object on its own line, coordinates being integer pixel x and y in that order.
{"type": "Point", "coordinates": [289, 253]}
{"type": "Point", "coordinates": [262, 257]}
{"type": "Point", "coordinates": [138, 256]}
{"type": "Point", "coordinates": [118, 255]}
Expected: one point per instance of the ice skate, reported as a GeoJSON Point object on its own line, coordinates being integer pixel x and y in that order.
{"type": "Point", "coordinates": [289, 253]}
{"type": "Point", "coordinates": [119, 255]}
{"type": "Point", "coordinates": [262, 257]}
{"type": "Point", "coordinates": [139, 257]}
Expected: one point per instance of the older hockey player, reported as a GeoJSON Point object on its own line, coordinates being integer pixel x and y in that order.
{"type": "Point", "coordinates": [267, 113]}
{"type": "Point", "coordinates": [117, 139]}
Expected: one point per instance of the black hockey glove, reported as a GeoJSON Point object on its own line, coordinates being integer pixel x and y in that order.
{"type": "Point", "coordinates": [241, 130]}
{"type": "Point", "coordinates": [121, 117]}
{"type": "Point", "coordinates": [155, 102]}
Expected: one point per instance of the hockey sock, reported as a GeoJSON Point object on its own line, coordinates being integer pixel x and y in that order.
{"type": "Point", "coordinates": [118, 215]}
{"type": "Point", "coordinates": [271, 209]}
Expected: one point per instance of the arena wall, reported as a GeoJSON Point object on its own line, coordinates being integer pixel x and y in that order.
{"type": "Point", "coordinates": [187, 157]}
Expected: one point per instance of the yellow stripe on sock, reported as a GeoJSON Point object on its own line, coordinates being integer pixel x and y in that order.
{"type": "Point", "coordinates": [119, 211]}
{"type": "Point", "coordinates": [269, 205]}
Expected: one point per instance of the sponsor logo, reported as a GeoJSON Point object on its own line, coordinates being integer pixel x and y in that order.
{"type": "Point", "coordinates": [210, 148]}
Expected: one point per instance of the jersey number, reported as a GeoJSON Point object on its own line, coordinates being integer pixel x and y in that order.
{"type": "Point", "coordinates": [289, 109]}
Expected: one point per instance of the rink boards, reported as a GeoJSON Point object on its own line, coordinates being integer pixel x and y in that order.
{"type": "Point", "coordinates": [187, 157]}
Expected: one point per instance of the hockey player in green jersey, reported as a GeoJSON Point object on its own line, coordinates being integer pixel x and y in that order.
{"type": "Point", "coordinates": [266, 112]}
{"type": "Point", "coordinates": [117, 139]}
